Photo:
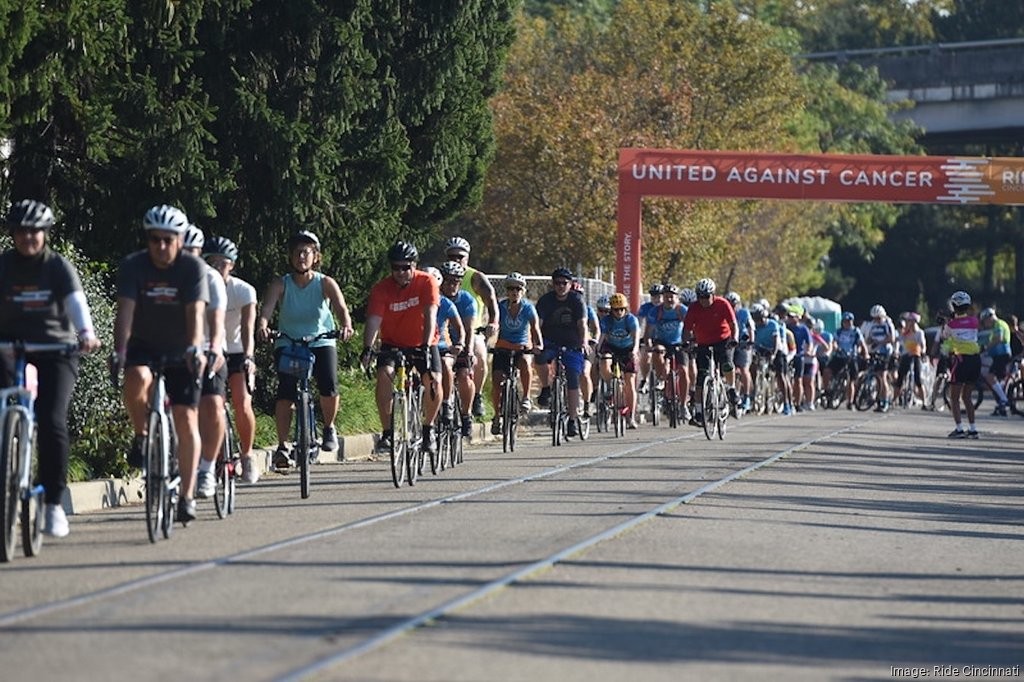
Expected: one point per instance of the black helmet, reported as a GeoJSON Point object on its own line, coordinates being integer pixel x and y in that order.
{"type": "Point", "coordinates": [403, 251]}
{"type": "Point", "coordinates": [29, 213]}
{"type": "Point", "coordinates": [303, 237]}
{"type": "Point", "coordinates": [656, 289]}
{"type": "Point", "coordinates": [221, 246]}
{"type": "Point", "coordinates": [563, 272]}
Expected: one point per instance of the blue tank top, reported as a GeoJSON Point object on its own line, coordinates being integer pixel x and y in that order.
{"type": "Point", "coordinates": [515, 330]}
{"type": "Point", "coordinates": [669, 323]}
{"type": "Point", "coordinates": [305, 311]}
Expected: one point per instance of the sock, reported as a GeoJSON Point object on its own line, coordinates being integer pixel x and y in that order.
{"type": "Point", "coordinates": [204, 465]}
{"type": "Point", "coordinates": [1000, 393]}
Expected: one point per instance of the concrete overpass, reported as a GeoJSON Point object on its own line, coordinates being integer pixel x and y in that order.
{"type": "Point", "coordinates": [962, 92]}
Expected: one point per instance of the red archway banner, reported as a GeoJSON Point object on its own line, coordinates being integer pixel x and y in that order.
{"type": "Point", "coordinates": [801, 177]}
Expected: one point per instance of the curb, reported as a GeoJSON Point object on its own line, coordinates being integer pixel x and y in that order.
{"type": "Point", "coordinates": [106, 493]}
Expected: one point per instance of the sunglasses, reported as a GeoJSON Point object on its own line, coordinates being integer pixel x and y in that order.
{"type": "Point", "coordinates": [457, 256]}
{"type": "Point", "coordinates": [513, 288]}
{"type": "Point", "coordinates": [704, 297]}
{"type": "Point", "coordinates": [560, 282]}
{"type": "Point", "coordinates": [618, 310]}
{"type": "Point", "coordinates": [166, 241]}
{"type": "Point", "coordinates": [401, 267]}
{"type": "Point", "coordinates": [452, 280]}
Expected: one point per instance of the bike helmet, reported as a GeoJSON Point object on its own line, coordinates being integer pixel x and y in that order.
{"type": "Point", "coordinates": [29, 213]}
{"type": "Point", "coordinates": [564, 273]}
{"type": "Point", "coordinates": [758, 311]}
{"type": "Point", "coordinates": [604, 302]}
{"type": "Point", "coordinates": [194, 238]}
{"type": "Point", "coordinates": [165, 217]}
{"type": "Point", "coordinates": [303, 237]}
{"type": "Point", "coordinates": [705, 287]}
{"type": "Point", "coordinates": [818, 325]}
{"type": "Point", "coordinates": [671, 289]}
{"type": "Point", "coordinates": [912, 316]}
{"type": "Point", "coordinates": [877, 311]}
{"type": "Point", "coordinates": [656, 289]}
{"type": "Point", "coordinates": [456, 244]}
{"type": "Point", "coordinates": [848, 316]}
{"type": "Point", "coordinates": [733, 297]}
{"type": "Point", "coordinates": [400, 251]}
{"type": "Point", "coordinates": [688, 296]}
{"type": "Point", "coordinates": [221, 246]}
{"type": "Point", "coordinates": [515, 279]}
{"type": "Point", "coordinates": [433, 272]}
{"type": "Point", "coordinates": [986, 313]}
{"type": "Point", "coordinates": [453, 268]}
{"type": "Point", "coordinates": [618, 301]}
{"type": "Point", "coordinates": [960, 298]}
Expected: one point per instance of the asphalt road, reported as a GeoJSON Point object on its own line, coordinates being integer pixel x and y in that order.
{"type": "Point", "coordinates": [837, 545]}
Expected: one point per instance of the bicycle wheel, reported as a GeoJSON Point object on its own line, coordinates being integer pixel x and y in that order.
{"type": "Point", "coordinates": [671, 402]}
{"type": "Point", "coordinates": [556, 412]}
{"type": "Point", "coordinates": [619, 404]}
{"type": "Point", "coordinates": [583, 427]}
{"type": "Point", "coordinates": [399, 438]}
{"type": "Point", "coordinates": [509, 413]}
{"type": "Point", "coordinates": [303, 440]}
{"type": "Point", "coordinates": [723, 409]}
{"type": "Point", "coordinates": [655, 400]}
{"type": "Point", "coordinates": [866, 392]}
{"type": "Point", "coordinates": [1015, 396]}
{"type": "Point", "coordinates": [154, 477]}
{"type": "Point", "coordinates": [233, 466]}
{"type": "Point", "coordinates": [10, 469]}
{"type": "Point", "coordinates": [414, 458]}
{"type": "Point", "coordinates": [444, 444]}
{"type": "Point", "coordinates": [220, 494]}
{"type": "Point", "coordinates": [940, 389]}
{"type": "Point", "coordinates": [709, 402]}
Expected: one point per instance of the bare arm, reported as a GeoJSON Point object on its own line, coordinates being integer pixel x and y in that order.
{"type": "Point", "coordinates": [270, 299]}
{"type": "Point", "coordinates": [371, 330]}
{"type": "Point", "coordinates": [123, 324]}
{"type": "Point", "coordinates": [482, 286]}
{"type": "Point", "coordinates": [332, 292]}
{"type": "Point", "coordinates": [248, 325]}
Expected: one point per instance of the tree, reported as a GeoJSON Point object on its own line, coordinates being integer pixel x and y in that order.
{"type": "Point", "coordinates": [980, 20]}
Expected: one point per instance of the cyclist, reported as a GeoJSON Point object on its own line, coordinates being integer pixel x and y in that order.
{"type": "Point", "coordinates": [519, 330]}
{"type": "Point", "coordinates": [965, 361]}
{"type": "Point", "coordinates": [998, 350]}
{"type": "Point", "coordinates": [881, 338]}
{"type": "Point", "coordinates": [41, 301]}
{"type": "Point", "coordinates": [452, 274]}
{"type": "Point", "coordinates": [849, 346]}
{"type": "Point", "coordinates": [798, 342]}
{"type": "Point", "coordinates": [215, 378]}
{"type": "Point", "coordinates": [620, 338]}
{"type": "Point", "coordinates": [667, 333]}
{"type": "Point", "coordinates": [913, 346]}
{"type": "Point", "coordinates": [476, 283]}
{"type": "Point", "coordinates": [402, 312]}
{"type": "Point", "coordinates": [451, 336]}
{"type": "Point", "coordinates": [712, 325]}
{"type": "Point", "coordinates": [742, 356]}
{"type": "Point", "coordinates": [770, 342]}
{"type": "Point", "coordinates": [563, 323]}
{"type": "Point", "coordinates": [307, 299]}
{"type": "Point", "coordinates": [825, 344]}
{"type": "Point", "coordinates": [647, 315]}
{"type": "Point", "coordinates": [162, 294]}
{"type": "Point", "coordinates": [588, 379]}
{"type": "Point", "coordinates": [239, 334]}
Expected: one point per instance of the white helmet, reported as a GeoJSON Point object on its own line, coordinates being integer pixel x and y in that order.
{"type": "Point", "coordinates": [688, 296]}
{"type": "Point", "coordinates": [515, 279]}
{"type": "Point", "coordinates": [165, 217]}
{"type": "Point", "coordinates": [456, 244]}
{"type": "Point", "coordinates": [960, 298]}
{"type": "Point", "coordinates": [705, 287]}
{"type": "Point", "coordinates": [877, 311]}
{"type": "Point", "coordinates": [433, 272]}
{"type": "Point", "coordinates": [819, 325]}
{"type": "Point", "coordinates": [987, 313]}
{"type": "Point", "coordinates": [604, 302]}
{"type": "Point", "coordinates": [194, 238]}
{"type": "Point", "coordinates": [733, 297]}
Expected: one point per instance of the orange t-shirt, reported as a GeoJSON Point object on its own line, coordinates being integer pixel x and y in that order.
{"type": "Point", "coordinates": [401, 309]}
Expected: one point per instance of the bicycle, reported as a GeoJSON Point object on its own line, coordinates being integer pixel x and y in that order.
{"type": "Point", "coordinates": [867, 387]}
{"type": "Point", "coordinates": [17, 417]}
{"type": "Point", "coordinates": [612, 406]}
{"type": "Point", "coordinates": [559, 414]}
{"type": "Point", "coordinates": [714, 400]}
{"type": "Point", "coordinates": [406, 432]}
{"type": "Point", "coordinates": [511, 401]}
{"type": "Point", "coordinates": [763, 377]}
{"type": "Point", "coordinates": [673, 403]}
{"type": "Point", "coordinates": [229, 467]}
{"type": "Point", "coordinates": [834, 394]}
{"type": "Point", "coordinates": [297, 361]}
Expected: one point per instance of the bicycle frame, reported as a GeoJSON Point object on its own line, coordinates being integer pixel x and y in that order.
{"type": "Point", "coordinates": [162, 486]}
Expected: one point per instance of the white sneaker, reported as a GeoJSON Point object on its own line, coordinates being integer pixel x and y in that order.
{"type": "Point", "coordinates": [526, 405]}
{"type": "Point", "coordinates": [250, 474]}
{"type": "Point", "coordinates": [55, 523]}
{"type": "Point", "coordinates": [206, 485]}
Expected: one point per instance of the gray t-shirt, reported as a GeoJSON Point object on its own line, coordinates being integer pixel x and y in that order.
{"type": "Point", "coordinates": [32, 296]}
{"type": "Point", "coordinates": [160, 298]}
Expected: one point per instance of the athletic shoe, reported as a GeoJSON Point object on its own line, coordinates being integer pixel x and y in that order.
{"type": "Point", "coordinates": [330, 443]}
{"type": "Point", "coordinates": [136, 456]}
{"type": "Point", "coordinates": [478, 405]}
{"type": "Point", "coordinates": [496, 426]}
{"type": "Point", "coordinates": [544, 399]}
{"type": "Point", "coordinates": [849, 405]}
{"type": "Point", "coordinates": [631, 424]}
{"type": "Point", "coordinates": [972, 433]}
{"type": "Point", "coordinates": [467, 426]}
{"type": "Point", "coordinates": [384, 443]}
{"type": "Point", "coordinates": [697, 419]}
{"type": "Point", "coordinates": [446, 412]}
{"type": "Point", "coordinates": [526, 405]}
{"type": "Point", "coordinates": [281, 460]}
{"type": "Point", "coordinates": [250, 474]}
{"type": "Point", "coordinates": [957, 433]}
{"type": "Point", "coordinates": [55, 523]}
{"type": "Point", "coordinates": [429, 445]}
{"type": "Point", "coordinates": [186, 511]}
{"type": "Point", "coordinates": [1000, 410]}
{"type": "Point", "coordinates": [787, 410]}
{"type": "Point", "coordinates": [206, 485]}
{"type": "Point", "coordinates": [570, 429]}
